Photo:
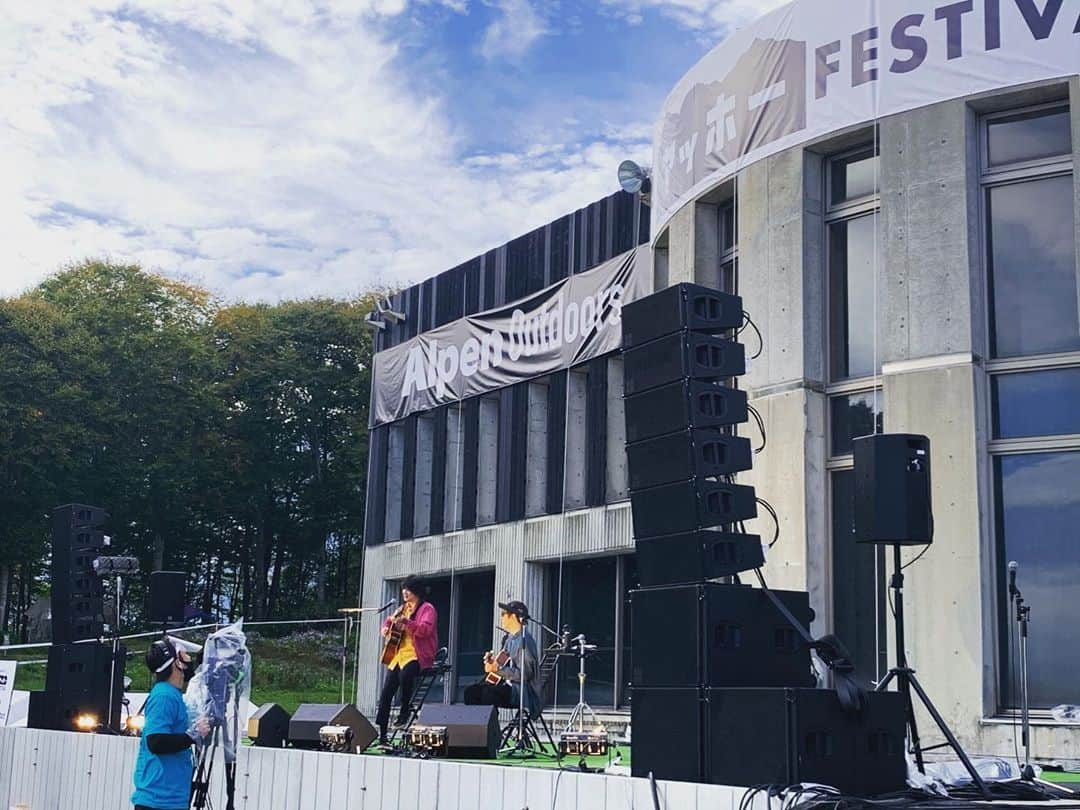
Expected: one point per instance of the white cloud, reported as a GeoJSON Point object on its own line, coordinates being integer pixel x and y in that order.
{"type": "Point", "coordinates": [697, 15]}
{"type": "Point", "coordinates": [265, 151]}
{"type": "Point", "coordinates": [515, 29]}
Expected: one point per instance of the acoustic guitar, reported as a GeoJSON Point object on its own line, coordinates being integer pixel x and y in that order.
{"type": "Point", "coordinates": [396, 634]}
{"type": "Point", "coordinates": [501, 660]}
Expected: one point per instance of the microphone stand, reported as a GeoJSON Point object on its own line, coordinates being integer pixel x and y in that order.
{"type": "Point", "coordinates": [348, 613]}
{"type": "Point", "coordinates": [1022, 614]}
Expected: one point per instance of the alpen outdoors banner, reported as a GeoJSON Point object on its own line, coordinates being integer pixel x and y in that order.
{"type": "Point", "coordinates": [571, 321]}
{"type": "Point", "coordinates": [814, 67]}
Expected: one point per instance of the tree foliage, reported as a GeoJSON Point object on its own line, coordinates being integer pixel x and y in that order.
{"type": "Point", "coordinates": [228, 441]}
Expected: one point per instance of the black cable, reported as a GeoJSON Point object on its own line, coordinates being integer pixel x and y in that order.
{"type": "Point", "coordinates": [760, 425]}
{"type": "Point", "coordinates": [747, 321]}
{"type": "Point", "coordinates": [917, 557]}
{"type": "Point", "coordinates": [776, 520]}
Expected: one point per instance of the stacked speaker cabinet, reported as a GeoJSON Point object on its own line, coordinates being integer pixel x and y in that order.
{"type": "Point", "coordinates": [723, 688]}
{"type": "Point", "coordinates": [77, 599]}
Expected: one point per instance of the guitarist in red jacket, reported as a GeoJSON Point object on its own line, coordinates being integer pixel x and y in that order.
{"type": "Point", "coordinates": [411, 641]}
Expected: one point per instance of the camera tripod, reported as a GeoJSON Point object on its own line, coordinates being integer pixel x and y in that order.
{"type": "Point", "coordinates": [906, 681]}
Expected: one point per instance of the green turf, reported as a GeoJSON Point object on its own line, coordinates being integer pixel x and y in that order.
{"type": "Point", "coordinates": [619, 755]}
{"type": "Point", "coordinates": [1060, 776]}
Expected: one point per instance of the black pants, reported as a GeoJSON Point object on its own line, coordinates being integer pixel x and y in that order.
{"type": "Point", "coordinates": [405, 678]}
{"type": "Point", "coordinates": [484, 694]}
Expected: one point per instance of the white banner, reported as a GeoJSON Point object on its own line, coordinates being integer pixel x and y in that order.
{"type": "Point", "coordinates": [7, 688]}
{"type": "Point", "coordinates": [819, 66]}
{"type": "Point", "coordinates": [573, 320]}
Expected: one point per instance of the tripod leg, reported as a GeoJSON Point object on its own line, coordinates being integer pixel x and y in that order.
{"type": "Point", "coordinates": [953, 742]}
{"type": "Point", "coordinates": [903, 685]}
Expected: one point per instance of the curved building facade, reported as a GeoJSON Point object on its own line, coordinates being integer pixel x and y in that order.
{"type": "Point", "coordinates": [896, 197]}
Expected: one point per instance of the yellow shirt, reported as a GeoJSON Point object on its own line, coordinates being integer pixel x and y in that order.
{"type": "Point", "coordinates": [406, 652]}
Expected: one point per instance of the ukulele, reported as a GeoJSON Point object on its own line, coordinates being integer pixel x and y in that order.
{"type": "Point", "coordinates": [501, 660]}
{"type": "Point", "coordinates": [395, 635]}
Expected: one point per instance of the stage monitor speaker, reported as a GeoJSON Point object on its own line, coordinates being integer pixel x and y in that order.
{"type": "Point", "coordinates": [710, 634]}
{"type": "Point", "coordinates": [892, 489]}
{"type": "Point", "coordinates": [167, 596]}
{"type": "Point", "coordinates": [680, 306]}
{"type": "Point", "coordinates": [77, 679]}
{"type": "Point", "coordinates": [681, 405]}
{"type": "Point", "coordinates": [687, 506]}
{"type": "Point", "coordinates": [268, 727]}
{"type": "Point", "coordinates": [705, 452]}
{"type": "Point", "coordinates": [310, 717]}
{"type": "Point", "coordinates": [679, 356]}
{"type": "Point", "coordinates": [694, 557]}
{"type": "Point", "coordinates": [779, 737]}
{"type": "Point", "coordinates": [472, 732]}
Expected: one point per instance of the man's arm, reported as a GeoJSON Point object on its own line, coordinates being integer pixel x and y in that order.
{"type": "Point", "coordinates": [168, 743]}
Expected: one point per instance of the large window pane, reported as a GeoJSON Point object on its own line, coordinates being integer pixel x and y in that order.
{"type": "Point", "coordinates": [728, 226]}
{"type": "Point", "coordinates": [851, 305]}
{"type": "Point", "coordinates": [586, 593]}
{"type": "Point", "coordinates": [1038, 498]}
{"type": "Point", "coordinates": [853, 177]}
{"type": "Point", "coordinates": [858, 575]}
{"type": "Point", "coordinates": [1038, 403]}
{"type": "Point", "coordinates": [475, 626]}
{"type": "Point", "coordinates": [1033, 267]}
{"type": "Point", "coordinates": [853, 415]}
{"type": "Point", "coordinates": [1029, 136]}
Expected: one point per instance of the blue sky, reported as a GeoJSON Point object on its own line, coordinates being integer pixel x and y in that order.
{"type": "Point", "coordinates": [318, 147]}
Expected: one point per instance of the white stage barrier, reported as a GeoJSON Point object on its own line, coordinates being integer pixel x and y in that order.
{"type": "Point", "coordinates": [52, 770]}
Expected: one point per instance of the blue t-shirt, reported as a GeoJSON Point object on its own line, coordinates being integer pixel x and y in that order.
{"type": "Point", "coordinates": [163, 781]}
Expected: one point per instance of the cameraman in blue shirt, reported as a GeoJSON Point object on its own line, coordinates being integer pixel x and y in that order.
{"type": "Point", "coordinates": [164, 767]}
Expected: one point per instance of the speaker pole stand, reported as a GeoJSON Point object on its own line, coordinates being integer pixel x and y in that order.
{"type": "Point", "coordinates": [906, 681]}
{"type": "Point", "coordinates": [112, 662]}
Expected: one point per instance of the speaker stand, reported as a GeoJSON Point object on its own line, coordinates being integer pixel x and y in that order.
{"type": "Point", "coordinates": [906, 681]}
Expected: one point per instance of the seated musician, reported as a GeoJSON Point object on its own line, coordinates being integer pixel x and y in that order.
{"type": "Point", "coordinates": [503, 672]}
{"type": "Point", "coordinates": [414, 626]}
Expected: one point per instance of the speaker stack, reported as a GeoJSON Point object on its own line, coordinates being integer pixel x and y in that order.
{"type": "Point", "coordinates": [723, 688]}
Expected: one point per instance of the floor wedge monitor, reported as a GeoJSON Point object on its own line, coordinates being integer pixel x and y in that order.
{"type": "Point", "coordinates": [310, 717]}
{"type": "Point", "coordinates": [681, 306]}
{"type": "Point", "coordinates": [718, 635]}
{"type": "Point", "coordinates": [471, 731]}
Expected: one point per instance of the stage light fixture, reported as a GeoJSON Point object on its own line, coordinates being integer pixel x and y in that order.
{"type": "Point", "coordinates": [583, 743]}
{"type": "Point", "coordinates": [336, 738]}
{"type": "Point", "coordinates": [387, 312]}
{"type": "Point", "coordinates": [135, 724]}
{"type": "Point", "coordinates": [374, 322]}
{"type": "Point", "coordinates": [86, 722]}
{"type": "Point", "coordinates": [634, 179]}
{"type": "Point", "coordinates": [115, 566]}
{"type": "Point", "coordinates": [430, 740]}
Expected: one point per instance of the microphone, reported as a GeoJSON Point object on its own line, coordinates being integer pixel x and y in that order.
{"type": "Point", "coordinates": [387, 605]}
{"type": "Point", "coordinates": [1012, 577]}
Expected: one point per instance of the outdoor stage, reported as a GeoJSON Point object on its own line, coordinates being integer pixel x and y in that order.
{"type": "Point", "coordinates": [54, 770]}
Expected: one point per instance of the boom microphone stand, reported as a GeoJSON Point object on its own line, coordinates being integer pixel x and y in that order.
{"type": "Point", "coordinates": [906, 681]}
{"type": "Point", "coordinates": [1022, 614]}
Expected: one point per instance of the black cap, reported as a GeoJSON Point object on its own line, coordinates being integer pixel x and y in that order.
{"type": "Point", "coordinates": [516, 608]}
{"type": "Point", "coordinates": [160, 655]}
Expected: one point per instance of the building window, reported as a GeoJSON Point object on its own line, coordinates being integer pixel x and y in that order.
{"type": "Point", "coordinates": [575, 482]}
{"type": "Point", "coordinates": [424, 474]}
{"type": "Point", "coordinates": [857, 572]}
{"type": "Point", "coordinates": [1034, 338]}
{"type": "Point", "coordinates": [591, 597]}
{"type": "Point", "coordinates": [474, 611]}
{"type": "Point", "coordinates": [729, 248]}
{"type": "Point", "coordinates": [455, 467]}
{"type": "Point", "coordinates": [536, 449]}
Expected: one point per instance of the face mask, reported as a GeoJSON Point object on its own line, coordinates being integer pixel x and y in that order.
{"type": "Point", "coordinates": [188, 668]}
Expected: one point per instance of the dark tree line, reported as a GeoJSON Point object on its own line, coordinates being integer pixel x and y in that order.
{"type": "Point", "coordinates": [226, 441]}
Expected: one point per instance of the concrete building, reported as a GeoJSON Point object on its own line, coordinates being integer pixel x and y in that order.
{"type": "Point", "coordinates": [918, 271]}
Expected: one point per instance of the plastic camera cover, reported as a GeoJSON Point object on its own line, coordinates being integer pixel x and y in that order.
{"type": "Point", "coordinates": [220, 688]}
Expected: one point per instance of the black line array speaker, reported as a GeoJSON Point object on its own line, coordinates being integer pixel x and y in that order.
{"type": "Point", "coordinates": [310, 717]}
{"type": "Point", "coordinates": [680, 355]}
{"type": "Point", "coordinates": [686, 506]}
{"type": "Point", "coordinates": [711, 634]}
{"type": "Point", "coordinates": [167, 596]}
{"type": "Point", "coordinates": [770, 737]}
{"type": "Point", "coordinates": [681, 405]}
{"type": "Point", "coordinates": [892, 489]}
{"type": "Point", "coordinates": [77, 592]}
{"type": "Point", "coordinates": [268, 727]}
{"type": "Point", "coordinates": [696, 556]}
{"type": "Point", "coordinates": [703, 452]}
{"type": "Point", "coordinates": [681, 306]}
{"type": "Point", "coordinates": [472, 732]}
{"type": "Point", "coordinates": [77, 682]}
